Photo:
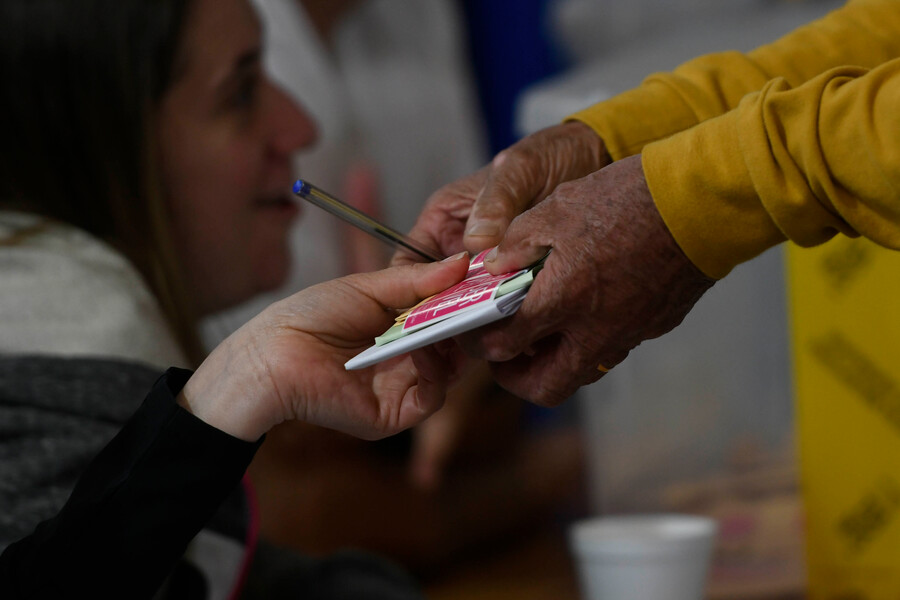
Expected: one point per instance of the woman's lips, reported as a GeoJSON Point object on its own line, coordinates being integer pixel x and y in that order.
{"type": "Point", "coordinates": [282, 203]}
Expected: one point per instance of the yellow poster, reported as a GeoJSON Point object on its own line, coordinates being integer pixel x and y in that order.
{"type": "Point", "coordinates": [845, 321]}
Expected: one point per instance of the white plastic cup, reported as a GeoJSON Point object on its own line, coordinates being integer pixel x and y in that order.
{"type": "Point", "coordinates": [649, 557]}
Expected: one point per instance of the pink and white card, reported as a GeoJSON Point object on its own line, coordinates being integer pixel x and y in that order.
{"type": "Point", "coordinates": [479, 286]}
{"type": "Point", "coordinates": [475, 301]}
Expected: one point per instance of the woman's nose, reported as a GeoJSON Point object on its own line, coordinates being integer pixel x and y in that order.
{"type": "Point", "coordinates": [292, 128]}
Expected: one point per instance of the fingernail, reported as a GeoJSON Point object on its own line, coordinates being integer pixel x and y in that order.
{"type": "Point", "coordinates": [483, 228]}
{"type": "Point", "coordinates": [492, 255]}
{"type": "Point", "coordinates": [455, 256]}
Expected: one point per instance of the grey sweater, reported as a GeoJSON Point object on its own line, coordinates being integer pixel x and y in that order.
{"type": "Point", "coordinates": [55, 416]}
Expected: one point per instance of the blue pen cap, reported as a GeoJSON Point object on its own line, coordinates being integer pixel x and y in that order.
{"type": "Point", "coordinates": [301, 187]}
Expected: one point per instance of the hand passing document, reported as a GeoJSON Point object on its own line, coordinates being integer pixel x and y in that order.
{"type": "Point", "coordinates": [477, 300]}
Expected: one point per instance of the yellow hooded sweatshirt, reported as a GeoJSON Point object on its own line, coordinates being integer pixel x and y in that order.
{"type": "Point", "coordinates": [798, 139]}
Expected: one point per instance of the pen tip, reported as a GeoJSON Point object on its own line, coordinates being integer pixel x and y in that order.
{"type": "Point", "coordinates": [298, 185]}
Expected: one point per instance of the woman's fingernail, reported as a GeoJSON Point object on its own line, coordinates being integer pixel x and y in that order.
{"type": "Point", "coordinates": [455, 256]}
{"type": "Point", "coordinates": [492, 255]}
{"type": "Point", "coordinates": [483, 229]}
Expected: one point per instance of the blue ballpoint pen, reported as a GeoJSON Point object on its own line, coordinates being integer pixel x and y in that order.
{"type": "Point", "coordinates": [359, 219]}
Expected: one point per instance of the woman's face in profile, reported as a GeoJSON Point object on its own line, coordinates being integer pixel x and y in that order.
{"type": "Point", "coordinates": [226, 137]}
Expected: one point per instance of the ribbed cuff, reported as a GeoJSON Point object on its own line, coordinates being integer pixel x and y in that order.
{"type": "Point", "coordinates": [622, 121]}
{"type": "Point", "coordinates": [706, 197]}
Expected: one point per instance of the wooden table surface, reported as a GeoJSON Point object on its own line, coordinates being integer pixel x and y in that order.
{"type": "Point", "coordinates": [534, 567]}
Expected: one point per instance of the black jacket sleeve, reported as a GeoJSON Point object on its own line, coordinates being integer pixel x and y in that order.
{"type": "Point", "coordinates": [134, 509]}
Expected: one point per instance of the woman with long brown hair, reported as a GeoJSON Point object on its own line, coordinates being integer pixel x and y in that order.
{"type": "Point", "coordinates": [143, 184]}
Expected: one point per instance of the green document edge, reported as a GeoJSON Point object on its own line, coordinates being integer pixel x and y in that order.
{"type": "Point", "coordinates": [511, 285]}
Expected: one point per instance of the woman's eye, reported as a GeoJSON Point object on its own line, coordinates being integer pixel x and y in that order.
{"type": "Point", "coordinates": [245, 94]}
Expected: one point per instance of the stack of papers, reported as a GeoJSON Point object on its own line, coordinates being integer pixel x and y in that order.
{"type": "Point", "coordinates": [477, 300]}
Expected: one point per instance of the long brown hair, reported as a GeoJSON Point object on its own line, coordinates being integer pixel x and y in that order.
{"type": "Point", "coordinates": [82, 81]}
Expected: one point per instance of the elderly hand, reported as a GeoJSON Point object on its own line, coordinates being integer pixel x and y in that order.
{"type": "Point", "coordinates": [474, 212]}
{"type": "Point", "coordinates": [288, 362]}
{"type": "Point", "coordinates": [615, 278]}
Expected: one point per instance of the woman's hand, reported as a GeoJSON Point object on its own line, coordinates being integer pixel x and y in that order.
{"type": "Point", "coordinates": [288, 362]}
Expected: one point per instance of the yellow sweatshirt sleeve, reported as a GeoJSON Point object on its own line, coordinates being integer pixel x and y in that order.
{"type": "Point", "coordinates": [784, 142]}
{"type": "Point", "coordinates": [863, 33]}
{"type": "Point", "coordinates": [798, 163]}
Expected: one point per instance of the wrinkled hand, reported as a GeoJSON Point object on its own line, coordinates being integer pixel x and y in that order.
{"type": "Point", "coordinates": [615, 278]}
{"type": "Point", "coordinates": [473, 213]}
{"type": "Point", "coordinates": [288, 362]}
